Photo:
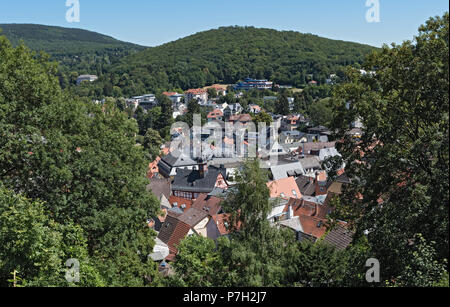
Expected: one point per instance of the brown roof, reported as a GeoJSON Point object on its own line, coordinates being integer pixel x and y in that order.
{"type": "Point", "coordinates": [340, 237]}
{"type": "Point", "coordinates": [197, 91]}
{"type": "Point", "coordinates": [284, 188]}
{"type": "Point", "coordinates": [306, 148]}
{"type": "Point", "coordinates": [193, 216]}
{"type": "Point", "coordinates": [224, 224]}
{"type": "Point", "coordinates": [241, 118]}
{"type": "Point", "coordinates": [313, 217]}
{"type": "Point", "coordinates": [172, 232]}
{"type": "Point", "coordinates": [180, 232]}
{"type": "Point", "coordinates": [209, 204]}
{"type": "Point", "coordinates": [168, 228]}
{"type": "Point", "coordinates": [159, 187]}
{"type": "Point", "coordinates": [218, 87]}
{"type": "Point", "coordinates": [179, 201]}
{"type": "Point", "coordinates": [313, 226]}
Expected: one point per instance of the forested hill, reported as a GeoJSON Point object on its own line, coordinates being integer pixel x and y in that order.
{"type": "Point", "coordinates": [228, 54]}
{"type": "Point", "coordinates": [76, 49]}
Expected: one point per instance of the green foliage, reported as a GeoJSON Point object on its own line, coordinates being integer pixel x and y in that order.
{"type": "Point", "coordinates": [262, 117]}
{"type": "Point", "coordinates": [77, 157]}
{"type": "Point", "coordinates": [198, 262]}
{"type": "Point", "coordinates": [193, 108]}
{"type": "Point", "coordinates": [77, 50]}
{"type": "Point", "coordinates": [320, 265]}
{"type": "Point", "coordinates": [282, 106]}
{"type": "Point", "coordinates": [37, 247]}
{"type": "Point", "coordinates": [403, 177]}
{"type": "Point", "coordinates": [152, 143]}
{"type": "Point", "coordinates": [229, 54]}
{"type": "Point", "coordinates": [320, 112]}
{"type": "Point", "coordinates": [249, 200]}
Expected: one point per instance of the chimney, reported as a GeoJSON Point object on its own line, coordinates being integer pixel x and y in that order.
{"type": "Point", "coordinates": [321, 183]}
{"type": "Point", "coordinates": [290, 212]}
{"type": "Point", "coordinates": [202, 168]}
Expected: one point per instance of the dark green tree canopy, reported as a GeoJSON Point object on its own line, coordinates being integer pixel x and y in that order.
{"type": "Point", "coordinates": [77, 157]}
{"type": "Point", "coordinates": [400, 166]}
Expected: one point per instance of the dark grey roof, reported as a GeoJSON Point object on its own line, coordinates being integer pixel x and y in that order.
{"type": "Point", "coordinates": [191, 181]}
{"type": "Point", "coordinates": [174, 159]}
{"type": "Point", "coordinates": [312, 146]}
{"type": "Point", "coordinates": [178, 159]}
{"type": "Point", "coordinates": [175, 211]}
{"type": "Point", "coordinates": [306, 185]}
{"type": "Point", "coordinates": [339, 237]}
{"type": "Point", "coordinates": [310, 163]}
{"type": "Point", "coordinates": [286, 170]}
{"type": "Point", "coordinates": [343, 179]}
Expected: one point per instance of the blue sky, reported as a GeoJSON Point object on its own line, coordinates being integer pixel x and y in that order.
{"type": "Point", "coordinates": [153, 22]}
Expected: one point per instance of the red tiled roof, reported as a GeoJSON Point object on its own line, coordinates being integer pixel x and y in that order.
{"type": "Point", "coordinates": [284, 186]}
{"type": "Point", "coordinates": [168, 94]}
{"type": "Point", "coordinates": [180, 232]}
{"type": "Point", "coordinates": [209, 204]}
{"type": "Point", "coordinates": [171, 257]}
{"type": "Point", "coordinates": [220, 221]}
{"type": "Point", "coordinates": [180, 201]}
{"type": "Point", "coordinates": [197, 91]}
{"type": "Point", "coordinates": [153, 168]}
{"type": "Point", "coordinates": [241, 118]}
{"type": "Point", "coordinates": [313, 226]}
{"type": "Point", "coordinates": [215, 114]}
{"type": "Point", "coordinates": [313, 217]}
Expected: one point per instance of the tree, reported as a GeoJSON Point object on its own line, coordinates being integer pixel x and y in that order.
{"type": "Point", "coordinates": [198, 262]}
{"type": "Point", "coordinates": [400, 165]}
{"type": "Point", "coordinates": [212, 93]}
{"type": "Point", "coordinates": [320, 264]}
{"type": "Point", "coordinates": [77, 157]}
{"type": "Point", "coordinates": [37, 248]}
{"type": "Point", "coordinates": [165, 120]}
{"type": "Point", "coordinates": [282, 106]}
{"type": "Point", "coordinates": [249, 201]}
{"type": "Point", "coordinates": [262, 117]}
{"type": "Point", "coordinates": [320, 112]}
{"type": "Point", "coordinates": [193, 108]}
{"type": "Point", "coordinates": [258, 254]}
{"type": "Point", "coordinates": [152, 143]}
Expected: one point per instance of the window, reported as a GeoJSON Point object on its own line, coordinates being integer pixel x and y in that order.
{"type": "Point", "coordinates": [294, 193]}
